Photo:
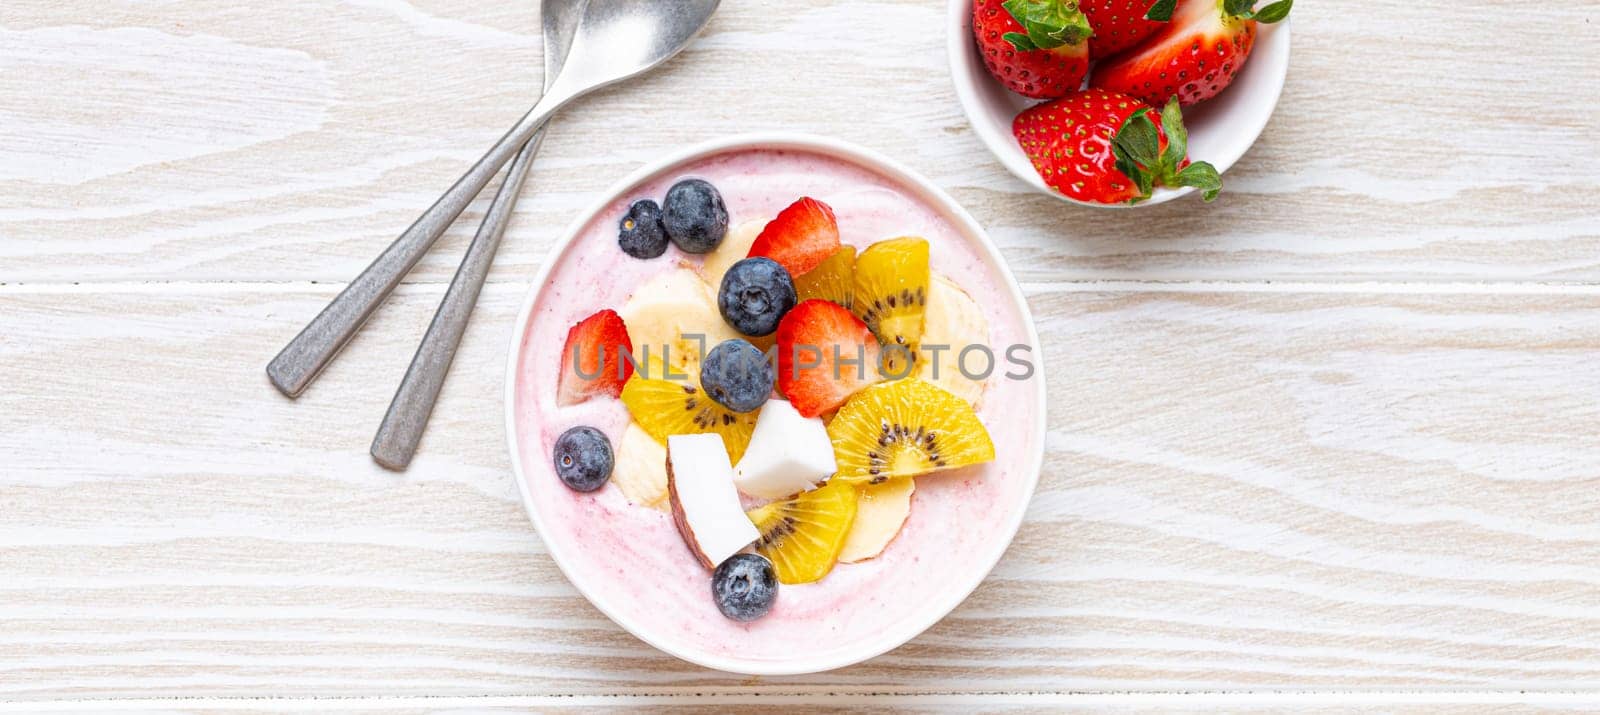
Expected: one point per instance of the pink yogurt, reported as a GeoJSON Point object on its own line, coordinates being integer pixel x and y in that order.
{"type": "Point", "coordinates": [630, 561]}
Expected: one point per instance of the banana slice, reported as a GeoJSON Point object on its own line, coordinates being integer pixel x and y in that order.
{"type": "Point", "coordinates": [735, 247]}
{"type": "Point", "coordinates": [953, 319]}
{"type": "Point", "coordinates": [668, 312]}
{"type": "Point", "coordinates": [641, 468]}
{"type": "Point", "coordinates": [880, 512]}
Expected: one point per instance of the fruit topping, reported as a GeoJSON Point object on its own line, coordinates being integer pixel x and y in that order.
{"type": "Point", "coordinates": [673, 318]}
{"type": "Point", "coordinates": [737, 376]}
{"type": "Point", "coordinates": [802, 536]}
{"type": "Point", "coordinates": [641, 471]}
{"type": "Point", "coordinates": [788, 454]}
{"type": "Point", "coordinates": [705, 506]}
{"type": "Point", "coordinates": [1109, 148]}
{"type": "Point", "coordinates": [744, 587]}
{"type": "Point", "coordinates": [1036, 48]}
{"type": "Point", "coordinates": [591, 360]}
{"type": "Point", "coordinates": [734, 248]}
{"type": "Point", "coordinates": [905, 428]}
{"type": "Point", "coordinates": [1194, 56]}
{"type": "Point", "coordinates": [881, 510]}
{"type": "Point", "coordinates": [664, 408]}
{"type": "Point", "coordinates": [953, 323]}
{"type": "Point", "coordinates": [694, 216]}
{"type": "Point", "coordinates": [802, 236]}
{"type": "Point", "coordinates": [891, 293]}
{"type": "Point", "coordinates": [755, 295]}
{"type": "Point", "coordinates": [583, 459]}
{"type": "Point", "coordinates": [830, 280]}
{"type": "Point", "coordinates": [825, 354]}
{"type": "Point", "coordinates": [641, 234]}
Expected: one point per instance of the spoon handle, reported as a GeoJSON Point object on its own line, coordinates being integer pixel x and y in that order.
{"type": "Point", "coordinates": [321, 340]}
{"type": "Point", "coordinates": [398, 437]}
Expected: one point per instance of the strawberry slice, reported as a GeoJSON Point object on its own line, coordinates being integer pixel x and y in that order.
{"type": "Point", "coordinates": [591, 360]}
{"type": "Point", "coordinates": [1194, 57]}
{"type": "Point", "coordinates": [825, 354]}
{"type": "Point", "coordinates": [1120, 24]}
{"type": "Point", "coordinates": [800, 238]}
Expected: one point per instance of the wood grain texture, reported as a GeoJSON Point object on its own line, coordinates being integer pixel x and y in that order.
{"type": "Point", "coordinates": [290, 141]}
{"type": "Point", "coordinates": [1010, 703]}
{"type": "Point", "coordinates": [1337, 433]}
{"type": "Point", "coordinates": [1242, 490]}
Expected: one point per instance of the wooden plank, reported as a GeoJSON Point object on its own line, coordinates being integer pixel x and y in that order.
{"type": "Point", "coordinates": [1243, 490]}
{"type": "Point", "coordinates": [291, 141]}
{"type": "Point", "coordinates": [1012, 703]}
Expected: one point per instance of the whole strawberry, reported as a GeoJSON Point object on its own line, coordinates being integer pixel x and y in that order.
{"type": "Point", "coordinates": [1120, 24]}
{"type": "Point", "coordinates": [1036, 48]}
{"type": "Point", "coordinates": [1109, 148]}
{"type": "Point", "coordinates": [1194, 57]}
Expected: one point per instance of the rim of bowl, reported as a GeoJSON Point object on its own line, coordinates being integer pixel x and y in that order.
{"type": "Point", "coordinates": [925, 191]}
{"type": "Point", "coordinates": [964, 62]}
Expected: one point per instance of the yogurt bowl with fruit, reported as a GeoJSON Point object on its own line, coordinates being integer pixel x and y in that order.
{"type": "Point", "coordinates": [776, 404]}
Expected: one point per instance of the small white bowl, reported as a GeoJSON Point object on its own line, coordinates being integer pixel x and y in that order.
{"type": "Point", "coordinates": [1220, 130]}
{"type": "Point", "coordinates": [918, 614]}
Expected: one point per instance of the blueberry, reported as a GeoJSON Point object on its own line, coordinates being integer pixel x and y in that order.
{"type": "Point", "coordinates": [737, 375]}
{"type": "Point", "coordinates": [744, 587]}
{"type": "Point", "coordinates": [641, 234]}
{"type": "Point", "coordinates": [694, 216]}
{"type": "Point", "coordinates": [755, 295]}
{"type": "Point", "coordinates": [583, 458]}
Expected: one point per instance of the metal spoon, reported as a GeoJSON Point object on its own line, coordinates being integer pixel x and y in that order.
{"type": "Point", "coordinates": [401, 431]}
{"type": "Point", "coordinates": [615, 40]}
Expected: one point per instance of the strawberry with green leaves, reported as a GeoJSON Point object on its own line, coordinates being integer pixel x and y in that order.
{"type": "Point", "coordinates": [1036, 48]}
{"type": "Point", "coordinates": [1108, 148]}
{"type": "Point", "coordinates": [1195, 56]}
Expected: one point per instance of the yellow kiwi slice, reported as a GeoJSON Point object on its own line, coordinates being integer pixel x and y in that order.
{"type": "Point", "coordinates": [904, 428]}
{"type": "Point", "coordinates": [891, 295]}
{"type": "Point", "coordinates": [833, 279]}
{"type": "Point", "coordinates": [667, 407]}
{"type": "Point", "coordinates": [803, 535]}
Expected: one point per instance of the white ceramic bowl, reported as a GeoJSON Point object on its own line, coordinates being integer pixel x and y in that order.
{"type": "Point", "coordinates": [1220, 130]}
{"type": "Point", "coordinates": [922, 613]}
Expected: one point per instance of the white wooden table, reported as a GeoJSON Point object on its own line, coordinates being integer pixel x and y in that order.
{"type": "Point", "coordinates": [1332, 441]}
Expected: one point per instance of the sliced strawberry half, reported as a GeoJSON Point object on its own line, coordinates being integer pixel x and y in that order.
{"type": "Point", "coordinates": [1120, 24]}
{"type": "Point", "coordinates": [825, 354]}
{"type": "Point", "coordinates": [800, 238]}
{"type": "Point", "coordinates": [1194, 56]}
{"type": "Point", "coordinates": [591, 360]}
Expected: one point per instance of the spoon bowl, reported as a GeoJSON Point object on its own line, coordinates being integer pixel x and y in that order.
{"type": "Point", "coordinates": [622, 38]}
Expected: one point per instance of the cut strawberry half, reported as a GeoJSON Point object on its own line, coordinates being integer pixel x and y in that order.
{"type": "Point", "coordinates": [825, 355]}
{"type": "Point", "coordinates": [1194, 56]}
{"type": "Point", "coordinates": [800, 238]}
{"type": "Point", "coordinates": [591, 360]}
